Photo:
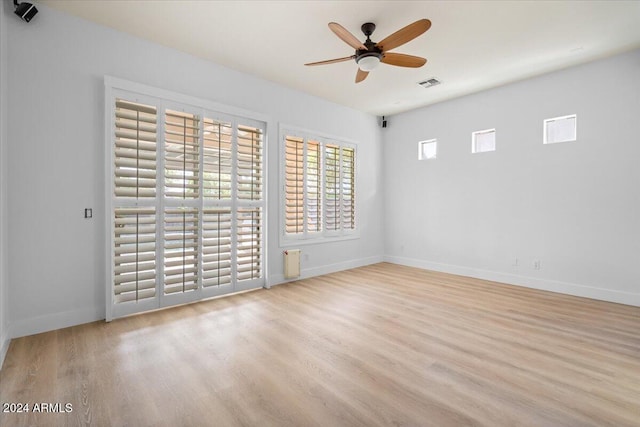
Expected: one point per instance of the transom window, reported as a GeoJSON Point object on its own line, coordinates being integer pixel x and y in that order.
{"type": "Point", "coordinates": [483, 141]}
{"type": "Point", "coordinates": [428, 150]}
{"type": "Point", "coordinates": [560, 129]}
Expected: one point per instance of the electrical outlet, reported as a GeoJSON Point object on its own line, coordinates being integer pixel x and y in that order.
{"type": "Point", "coordinates": [88, 213]}
{"type": "Point", "coordinates": [536, 264]}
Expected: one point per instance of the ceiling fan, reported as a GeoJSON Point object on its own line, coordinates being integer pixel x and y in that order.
{"type": "Point", "coordinates": [369, 54]}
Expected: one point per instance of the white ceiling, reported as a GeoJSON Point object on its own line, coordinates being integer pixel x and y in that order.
{"type": "Point", "coordinates": [471, 46]}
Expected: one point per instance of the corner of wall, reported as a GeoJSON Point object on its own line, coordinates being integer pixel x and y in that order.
{"type": "Point", "coordinates": [4, 317]}
{"type": "Point", "coordinates": [278, 279]}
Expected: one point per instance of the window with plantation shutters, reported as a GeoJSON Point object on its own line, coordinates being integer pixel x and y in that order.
{"type": "Point", "coordinates": [134, 254]}
{"type": "Point", "coordinates": [249, 243]}
{"type": "Point", "coordinates": [217, 159]}
{"type": "Point", "coordinates": [182, 155]}
{"type": "Point", "coordinates": [332, 187]}
{"type": "Point", "coordinates": [319, 193]}
{"type": "Point", "coordinates": [181, 252]}
{"type": "Point", "coordinates": [249, 163]}
{"type": "Point", "coordinates": [294, 185]}
{"type": "Point", "coordinates": [216, 246]}
{"type": "Point", "coordinates": [348, 189]}
{"type": "Point", "coordinates": [135, 150]}
{"type": "Point", "coordinates": [313, 187]}
{"type": "Point", "coordinates": [195, 230]}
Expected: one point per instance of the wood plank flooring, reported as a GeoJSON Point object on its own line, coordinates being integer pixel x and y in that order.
{"type": "Point", "coordinates": [378, 345]}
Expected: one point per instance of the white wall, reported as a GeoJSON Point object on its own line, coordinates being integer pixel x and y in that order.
{"type": "Point", "coordinates": [4, 323]}
{"type": "Point", "coordinates": [56, 169]}
{"type": "Point", "coordinates": [573, 206]}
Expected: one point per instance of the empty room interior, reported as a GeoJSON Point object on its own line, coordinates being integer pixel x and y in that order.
{"type": "Point", "coordinates": [320, 213]}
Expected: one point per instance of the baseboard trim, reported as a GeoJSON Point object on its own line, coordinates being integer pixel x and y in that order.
{"type": "Point", "coordinates": [51, 322]}
{"type": "Point", "coordinates": [277, 279]}
{"type": "Point", "coordinates": [574, 289]}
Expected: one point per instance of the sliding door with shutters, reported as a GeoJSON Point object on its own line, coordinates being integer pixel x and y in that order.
{"type": "Point", "coordinates": [187, 204]}
{"type": "Point", "coordinates": [218, 207]}
{"type": "Point", "coordinates": [250, 205]}
{"type": "Point", "coordinates": [134, 215]}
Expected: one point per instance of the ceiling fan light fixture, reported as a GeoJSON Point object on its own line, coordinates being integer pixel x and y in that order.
{"type": "Point", "coordinates": [368, 62]}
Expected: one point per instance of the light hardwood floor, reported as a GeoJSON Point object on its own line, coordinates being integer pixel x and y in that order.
{"type": "Point", "coordinates": [378, 345]}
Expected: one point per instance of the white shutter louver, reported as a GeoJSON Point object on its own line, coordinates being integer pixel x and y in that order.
{"type": "Point", "coordinates": [294, 185]}
{"type": "Point", "coordinates": [180, 250]}
{"type": "Point", "coordinates": [217, 160]}
{"type": "Point", "coordinates": [348, 190]}
{"type": "Point", "coordinates": [135, 150]}
{"type": "Point", "coordinates": [249, 243]}
{"type": "Point", "coordinates": [332, 187]}
{"type": "Point", "coordinates": [216, 246]}
{"type": "Point", "coordinates": [182, 156]}
{"type": "Point", "coordinates": [134, 254]}
{"type": "Point", "coordinates": [249, 171]}
{"type": "Point", "coordinates": [314, 187]}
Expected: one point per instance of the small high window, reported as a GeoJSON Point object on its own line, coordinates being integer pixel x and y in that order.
{"type": "Point", "coordinates": [560, 129]}
{"type": "Point", "coordinates": [483, 141]}
{"type": "Point", "coordinates": [427, 150]}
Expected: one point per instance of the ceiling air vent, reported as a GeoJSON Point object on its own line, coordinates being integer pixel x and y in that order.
{"type": "Point", "coordinates": [430, 82]}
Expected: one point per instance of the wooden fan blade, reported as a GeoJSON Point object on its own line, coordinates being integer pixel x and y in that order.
{"type": "Point", "coordinates": [332, 61]}
{"type": "Point", "coordinates": [402, 60]}
{"type": "Point", "coordinates": [346, 36]}
{"type": "Point", "coordinates": [361, 75]}
{"type": "Point", "coordinates": [404, 35]}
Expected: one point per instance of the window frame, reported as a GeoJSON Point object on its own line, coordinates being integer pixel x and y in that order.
{"type": "Point", "coordinates": [421, 155]}
{"type": "Point", "coordinates": [166, 100]}
{"type": "Point", "coordinates": [553, 119]}
{"type": "Point", "coordinates": [474, 147]}
{"type": "Point", "coordinates": [307, 237]}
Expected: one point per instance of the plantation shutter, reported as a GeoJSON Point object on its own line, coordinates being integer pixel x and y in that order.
{"type": "Point", "coordinates": [249, 211]}
{"type": "Point", "coordinates": [332, 187]}
{"type": "Point", "coordinates": [217, 159]}
{"type": "Point", "coordinates": [249, 164]}
{"type": "Point", "coordinates": [314, 187]}
{"type": "Point", "coordinates": [216, 246]}
{"type": "Point", "coordinates": [249, 243]}
{"type": "Point", "coordinates": [182, 157]}
{"type": "Point", "coordinates": [294, 185]}
{"type": "Point", "coordinates": [180, 250]}
{"type": "Point", "coordinates": [135, 150]}
{"type": "Point", "coordinates": [187, 202]}
{"type": "Point", "coordinates": [134, 254]}
{"type": "Point", "coordinates": [348, 190]}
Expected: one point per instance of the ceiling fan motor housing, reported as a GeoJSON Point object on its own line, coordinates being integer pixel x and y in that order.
{"type": "Point", "coordinates": [372, 49]}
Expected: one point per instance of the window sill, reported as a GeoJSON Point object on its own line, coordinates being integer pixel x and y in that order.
{"type": "Point", "coordinates": [288, 242]}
